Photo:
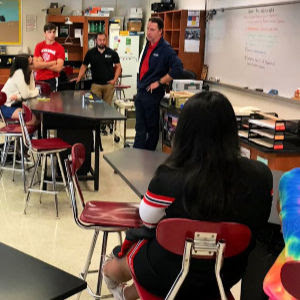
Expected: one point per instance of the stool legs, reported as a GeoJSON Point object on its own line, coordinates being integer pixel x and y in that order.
{"type": "Point", "coordinates": [89, 259]}
{"type": "Point", "coordinates": [102, 258]}
{"type": "Point", "coordinates": [62, 173]}
{"type": "Point", "coordinates": [54, 183]}
{"type": "Point", "coordinates": [31, 182]}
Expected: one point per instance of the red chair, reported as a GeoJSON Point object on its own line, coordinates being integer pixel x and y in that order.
{"type": "Point", "coordinates": [42, 148]}
{"type": "Point", "coordinates": [44, 87]}
{"type": "Point", "coordinates": [290, 272]}
{"type": "Point", "coordinates": [201, 240]}
{"type": "Point", "coordinates": [97, 215]}
{"type": "Point", "coordinates": [12, 132]}
{"type": "Point", "coordinates": [68, 70]}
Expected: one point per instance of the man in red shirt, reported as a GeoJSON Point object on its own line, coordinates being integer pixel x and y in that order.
{"type": "Point", "coordinates": [49, 57]}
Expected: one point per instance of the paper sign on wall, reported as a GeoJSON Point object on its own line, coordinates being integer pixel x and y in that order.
{"type": "Point", "coordinates": [193, 19]}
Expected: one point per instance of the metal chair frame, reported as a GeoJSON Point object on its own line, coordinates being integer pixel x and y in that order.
{"type": "Point", "coordinates": [41, 157]}
{"type": "Point", "coordinates": [74, 189]}
{"type": "Point", "coordinates": [16, 137]}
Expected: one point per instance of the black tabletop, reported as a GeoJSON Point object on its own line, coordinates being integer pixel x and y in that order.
{"type": "Point", "coordinates": [25, 277]}
{"type": "Point", "coordinates": [71, 103]}
{"type": "Point", "coordinates": [136, 166]}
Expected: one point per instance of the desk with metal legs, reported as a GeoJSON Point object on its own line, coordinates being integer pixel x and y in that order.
{"type": "Point", "coordinates": [25, 277]}
{"type": "Point", "coordinates": [69, 111]}
{"type": "Point", "coordinates": [135, 166]}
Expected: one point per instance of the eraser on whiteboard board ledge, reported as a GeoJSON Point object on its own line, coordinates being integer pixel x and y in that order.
{"type": "Point", "coordinates": [259, 90]}
{"type": "Point", "coordinates": [273, 92]}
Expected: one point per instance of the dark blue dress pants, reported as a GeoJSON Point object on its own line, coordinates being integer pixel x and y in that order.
{"type": "Point", "coordinates": [147, 118]}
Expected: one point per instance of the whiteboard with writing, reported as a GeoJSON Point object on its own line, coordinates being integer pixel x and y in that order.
{"type": "Point", "coordinates": [256, 48]}
{"type": "Point", "coordinates": [216, 4]}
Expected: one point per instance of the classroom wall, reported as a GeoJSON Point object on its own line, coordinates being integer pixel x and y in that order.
{"type": "Point", "coordinates": [32, 7]}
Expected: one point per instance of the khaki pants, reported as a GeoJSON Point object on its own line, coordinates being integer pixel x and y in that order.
{"type": "Point", "coordinates": [104, 91]}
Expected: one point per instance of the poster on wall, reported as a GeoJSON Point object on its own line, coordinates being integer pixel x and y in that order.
{"type": "Point", "coordinates": [10, 22]}
{"type": "Point", "coordinates": [192, 40]}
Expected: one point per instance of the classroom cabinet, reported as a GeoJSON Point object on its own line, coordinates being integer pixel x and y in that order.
{"type": "Point", "coordinates": [89, 26]}
{"type": "Point", "coordinates": [180, 31]}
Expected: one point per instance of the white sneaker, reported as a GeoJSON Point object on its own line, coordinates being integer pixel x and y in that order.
{"type": "Point", "coordinates": [118, 292]}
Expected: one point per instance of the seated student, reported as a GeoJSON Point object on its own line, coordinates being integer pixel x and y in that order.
{"type": "Point", "coordinates": [204, 178]}
{"type": "Point", "coordinates": [289, 195]}
{"type": "Point", "coordinates": [20, 85]}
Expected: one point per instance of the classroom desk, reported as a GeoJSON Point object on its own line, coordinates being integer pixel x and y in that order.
{"type": "Point", "coordinates": [135, 166]}
{"type": "Point", "coordinates": [24, 277]}
{"type": "Point", "coordinates": [67, 110]}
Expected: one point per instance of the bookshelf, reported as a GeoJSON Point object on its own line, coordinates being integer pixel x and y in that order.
{"type": "Point", "coordinates": [76, 52]}
{"type": "Point", "coordinates": [175, 25]}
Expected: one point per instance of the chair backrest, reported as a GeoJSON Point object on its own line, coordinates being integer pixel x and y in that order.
{"type": "Point", "coordinates": [44, 87]}
{"type": "Point", "coordinates": [68, 70]}
{"type": "Point", "coordinates": [290, 272]}
{"type": "Point", "coordinates": [203, 240]}
{"type": "Point", "coordinates": [25, 118]}
{"type": "Point", "coordinates": [72, 166]}
{"type": "Point", "coordinates": [188, 74]}
{"type": "Point", "coordinates": [2, 101]}
{"type": "Point", "coordinates": [237, 236]}
{"type": "Point", "coordinates": [2, 97]}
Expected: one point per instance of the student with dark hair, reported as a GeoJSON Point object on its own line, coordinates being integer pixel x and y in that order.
{"type": "Point", "coordinates": [204, 178]}
{"type": "Point", "coordinates": [49, 57]}
{"type": "Point", "coordinates": [159, 65]}
{"type": "Point", "coordinates": [20, 85]}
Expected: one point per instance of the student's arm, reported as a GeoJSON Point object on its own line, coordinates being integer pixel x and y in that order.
{"type": "Point", "coordinates": [58, 66]}
{"type": "Point", "coordinates": [118, 71]}
{"type": "Point", "coordinates": [81, 73]}
{"type": "Point", "coordinates": [39, 64]}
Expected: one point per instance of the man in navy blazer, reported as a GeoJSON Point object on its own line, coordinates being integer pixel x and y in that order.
{"type": "Point", "coordinates": [159, 65]}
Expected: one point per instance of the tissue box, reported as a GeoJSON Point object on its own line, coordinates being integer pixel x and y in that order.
{"type": "Point", "coordinates": [179, 98]}
{"type": "Point", "coordinates": [134, 26]}
{"type": "Point", "coordinates": [54, 9]}
{"type": "Point", "coordinates": [194, 86]}
{"type": "Point", "coordinates": [136, 12]}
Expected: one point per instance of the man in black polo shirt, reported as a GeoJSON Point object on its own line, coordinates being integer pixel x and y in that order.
{"type": "Point", "coordinates": [105, 67]}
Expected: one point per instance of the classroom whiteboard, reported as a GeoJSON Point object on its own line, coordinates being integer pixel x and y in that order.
{"type": "Point", "coordinates": [216, 4]}
{"type": "Point", "coordinates": [256, 48]}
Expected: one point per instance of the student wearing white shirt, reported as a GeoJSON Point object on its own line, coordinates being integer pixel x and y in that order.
{"type": "Point", "coordinates": [20, 85]}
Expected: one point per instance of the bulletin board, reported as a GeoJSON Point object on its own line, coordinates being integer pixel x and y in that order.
{"type": "Point", "coordinates": [10, 22]}
{"type": "Point", "coordinates": [255, 48]}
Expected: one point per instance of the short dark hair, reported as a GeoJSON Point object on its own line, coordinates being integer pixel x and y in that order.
{"type": "Point", "coordinates": [158, 21]}
{"type": "Point", "coordinates": [49, 26]}
{"type": "Point", "coordinates": [101, 33]}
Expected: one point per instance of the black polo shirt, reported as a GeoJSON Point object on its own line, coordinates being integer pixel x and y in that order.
{"type": "Point", "coordinates": [102, 65]}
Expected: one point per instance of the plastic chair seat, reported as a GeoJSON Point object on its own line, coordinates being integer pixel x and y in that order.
{"type": "Point", "coordinates": [116, 214]}
{"type": "Point", "coordinates": [16, 128]}
{"type": "Point", "coordinates": [49, 144]}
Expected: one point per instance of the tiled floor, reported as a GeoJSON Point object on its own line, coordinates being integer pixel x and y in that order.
{"type": "Point", "coordinates": [59, 242]}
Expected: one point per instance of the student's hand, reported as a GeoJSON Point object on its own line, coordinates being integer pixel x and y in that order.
{"type": "Point", "coordinates": [112, 82]}
{"type": "Point", "coordinates": [14, 97]}
{"type": "Point", "coordinates": [74, 79]}
{"type": "Point", "coordinates": [154, 85]}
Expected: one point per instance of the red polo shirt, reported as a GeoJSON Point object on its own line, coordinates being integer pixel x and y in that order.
{"type": "Point", "coordinates": [145, 64]}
